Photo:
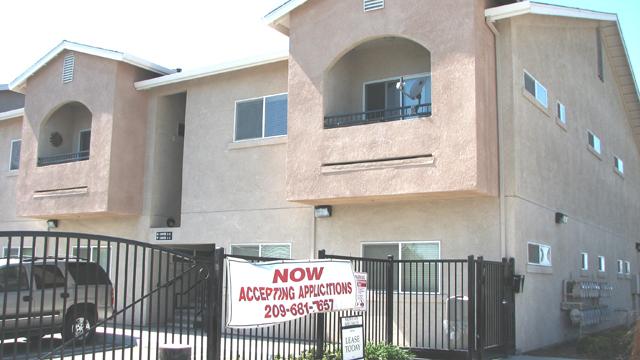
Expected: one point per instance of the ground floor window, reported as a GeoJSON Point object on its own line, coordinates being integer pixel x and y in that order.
{"type": "Point", "coordinates": [278, 251]}
{"type": "Point", "coordinates": [539, 254]}
{"type": "Point", "coordinates": [100, 255]}
{"type": "Point", "coordinates": [27, 251]}
{"type": "Point", "coordinates": [418, 274]}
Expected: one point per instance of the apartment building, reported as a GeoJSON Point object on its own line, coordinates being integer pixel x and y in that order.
{"type": "Point", "coordinates": [414, 128]}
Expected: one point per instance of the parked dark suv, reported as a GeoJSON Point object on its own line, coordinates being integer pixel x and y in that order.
{"type": "Point", "coordinates": [46, 296]}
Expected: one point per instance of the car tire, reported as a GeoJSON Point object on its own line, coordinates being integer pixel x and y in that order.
{"type": "Point", "coordinates": [78, 325]}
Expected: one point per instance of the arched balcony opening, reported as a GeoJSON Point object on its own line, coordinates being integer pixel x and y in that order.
{"type": "Point", "coordinates": [65, 136]}
{"type": "Point", "coordinates": [384, 79]}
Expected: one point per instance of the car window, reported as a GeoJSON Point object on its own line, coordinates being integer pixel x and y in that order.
{"type": "Point", "coordinates": [13, 278]}
{"type": "Point", "coordinates": [47, 276]}
{"type": "Point", "coordinates": [88, 273]}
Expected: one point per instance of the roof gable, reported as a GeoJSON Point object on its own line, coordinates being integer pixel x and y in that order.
{"type": "Point", "coordinates": [19, 83]}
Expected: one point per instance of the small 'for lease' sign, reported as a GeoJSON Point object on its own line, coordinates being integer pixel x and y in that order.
{"type": "Point", "coordinates": [352, 338]}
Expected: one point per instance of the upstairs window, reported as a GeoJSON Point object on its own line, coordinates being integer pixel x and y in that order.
{"type": "Point", "coordinates": [561, 113]}
{"type": "Point", "coordinates": [14, 162]}
{"type": "Point", "coordinates": [618, 165]}
{"type": "Point", "coordinates": [601, 264]}
{"type": "Point", "coordinates": [594, 142]}
{"type": "Point", "coordinates": [260, 118]}
{"type": "Point", "coordinates": [277, 251]}
{"type": "Point", "coordinates": [620, 267]}
{"type": "Point", "coordinates": [533, 87]}
{"type": "Point", "coordinates": [584, 259]}
{"type": "Point", "coordinates": [627, 267]}
{"type": "Point", "coordinates": [539, 254]}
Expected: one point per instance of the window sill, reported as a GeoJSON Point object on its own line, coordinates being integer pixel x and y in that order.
{"type": "Point", "coordinates": [618, 172]}
{"type": "Point", "coordinates": [584, 273]}
{"type": "Point", "coordinates": [562, 125]}
{"type": "Point", "coordinates": [12, 173]}
{"type": "Point", "coordinates": [535, 102]}
{"type": "Point", "coordinates": [601, 275]}
{"type": "Point", "coordinates": [244, 144]}
{"type": "Point", "coordinates": [539, 269]}
{"type": "Point", "coordinates": [595, 153]}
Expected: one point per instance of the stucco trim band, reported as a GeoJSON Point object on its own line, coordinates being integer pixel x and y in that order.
{"type": "Point", "coordinates": [82, 190]}
{"type": "Point", "coordinates": [418, 161]}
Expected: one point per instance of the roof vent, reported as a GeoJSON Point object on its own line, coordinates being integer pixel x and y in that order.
{"type": "Point", "coordinates": [67, 68]}
{"type": "Point", "coordinates": [370, 5]}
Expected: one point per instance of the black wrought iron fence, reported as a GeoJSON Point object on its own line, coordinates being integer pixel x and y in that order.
{"type": "Point", "coordinates": [65, 295]}
{"type": "Point", "coordinates": [63, 158]}
{"type": "Point", "coordinates": [376, 116]}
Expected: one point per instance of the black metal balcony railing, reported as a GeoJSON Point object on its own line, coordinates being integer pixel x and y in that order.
{"type": "Point", "coordinates": [63, 158]}
{"type": "Point", "coordinates": [376, 116]}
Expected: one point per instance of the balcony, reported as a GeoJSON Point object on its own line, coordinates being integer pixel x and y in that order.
{"type": "Point", "coordinates": [377, 116]}
{"type": "Point", "coordinates": [63, 158]}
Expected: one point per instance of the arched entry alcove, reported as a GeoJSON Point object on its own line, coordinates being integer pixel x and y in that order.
{"type": "Point", "coordinates": [66, 135]}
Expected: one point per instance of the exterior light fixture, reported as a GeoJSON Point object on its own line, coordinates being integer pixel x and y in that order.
{"type": "Point", "coordinates": [323, 211]}
{"type": "Point", "coordinates": [561, 218]}
{"type": "Point", "coordinates": [52, 224]}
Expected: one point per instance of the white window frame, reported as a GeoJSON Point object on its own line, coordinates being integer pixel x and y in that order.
{"type": "Point", "coordinates": [537, 83]}
{"type": "Point", "coordinates": [405, 77]}
{"type": "Point", "coordinates": [602, 264]}
{"type": "Point", "coordinates": [260, 245]}
{"type": "Point", "coordinates": [627, 267]}
{"type": "Point", "coordinates": [617, 169]}
{"type": "Point", "coordinates": [80, 137]}
{"type": "Point", "coordinates": [11, 154]}
{"type": "Point", "coordinates": [584, 261]}
{"type": "Point", "coordinates": [597, 152]}
{"type": "Point", "coordinates": [5, 250]}
{"type": "Point", "coordinates": [264, 116]}
{"type": "Point", "coordinates": [620, 264]}
{"type": "Point", "coordinates": [91, 247]}
{"type": "Point", "coordinates": [400, 243]}
{"type": "Point", "coordinates": [561, 113]}
{"type": "Point", "coordinates": [540, 245]}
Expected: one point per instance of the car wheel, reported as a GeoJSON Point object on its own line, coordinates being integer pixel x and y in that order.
{"type": "Point", "coordinates": [78, 325]}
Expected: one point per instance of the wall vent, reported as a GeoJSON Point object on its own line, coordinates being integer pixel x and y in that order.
{"type": "Point", "coordinates": [370, 5]}
{"type": "Point", "coordinates": [67, 68]}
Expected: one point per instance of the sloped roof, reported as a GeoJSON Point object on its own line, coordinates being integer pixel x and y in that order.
{"type": "Point", "coordinates": [19, 82]}
{"type": "Point", "coordinates": [212, 70]}
{"type": "Point", "coordinates": [11, 114]}
{"type": "Point", "coordinates": [613, 40]}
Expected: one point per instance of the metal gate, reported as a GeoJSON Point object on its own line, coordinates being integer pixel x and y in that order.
{"type": "Point", "coordinates": [65, 294]}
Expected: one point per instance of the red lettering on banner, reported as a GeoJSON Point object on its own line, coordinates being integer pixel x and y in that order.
{"type": "Point", "coordinates": [297, 274]}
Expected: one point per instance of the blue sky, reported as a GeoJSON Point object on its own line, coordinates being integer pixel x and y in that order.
{"type": "Point", "coordinates": [187, 34]}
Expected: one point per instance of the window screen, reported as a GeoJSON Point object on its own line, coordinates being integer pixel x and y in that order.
{"type": "Point", "coordinates": [13, 278]}
{"type": "Point", "coordinates": [249, 119]}
{"type": "Point", "coordinates": [85, 141]}
{"type": "Point", "coordinates": [594, 142]}
{"type": "Point", "coordinates": [276, 251]}
{"type": "Point", "coordinates": [245, 250]}
{"type": "Point", "coordinates": [534, 254]}
{"type": "Point", "coordinates": [15, 155]}
{"type": "Point", "coordinates": [529, 84]}
{"type": "Point", "coordinates": [47, 276]}
{"type": "Point", "coordinates": [276, 115]}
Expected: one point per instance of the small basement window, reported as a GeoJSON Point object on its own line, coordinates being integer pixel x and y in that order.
{"type": "Point", "coordinates": [618, 164]}
{"type": "Point", "coordinates": [533, 87]}
{"type": "Point", "coordinates": [594, 142]}
{"type": "Point", "coordinates": [584, 259]}
{"type": "Point", "coordinates": [601, 264]}
{"type": "Point", "coordinates": [539, 254]}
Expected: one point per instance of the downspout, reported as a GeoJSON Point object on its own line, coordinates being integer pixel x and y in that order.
{"type": "Point", "coordinates": [501, 194]}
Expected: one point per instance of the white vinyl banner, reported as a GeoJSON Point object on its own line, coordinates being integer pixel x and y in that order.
{"type": "Point", "coordinates": [262, 294]}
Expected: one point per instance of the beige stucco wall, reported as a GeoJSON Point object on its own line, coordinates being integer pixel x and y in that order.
{"type": "Point", "coordinates": [548, 168]}
{"type": "Point", "coordinates": [234, 192]}
{"type": "Point", "coordinates": [463, 150]}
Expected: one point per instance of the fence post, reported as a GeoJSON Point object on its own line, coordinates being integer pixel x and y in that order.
{"type": "Point", "coordinates": [471, 309]}
{"type": "Point", "coordinates": [320, 323]}
{"type": "Point", "coordinates": [480, 305]}
{"type": "Point", "coordinates": [389, 300]}
{"type": "Point", "coordinates": [511, 344]}
{"type": "Point", "coordinates": [214, 298]}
